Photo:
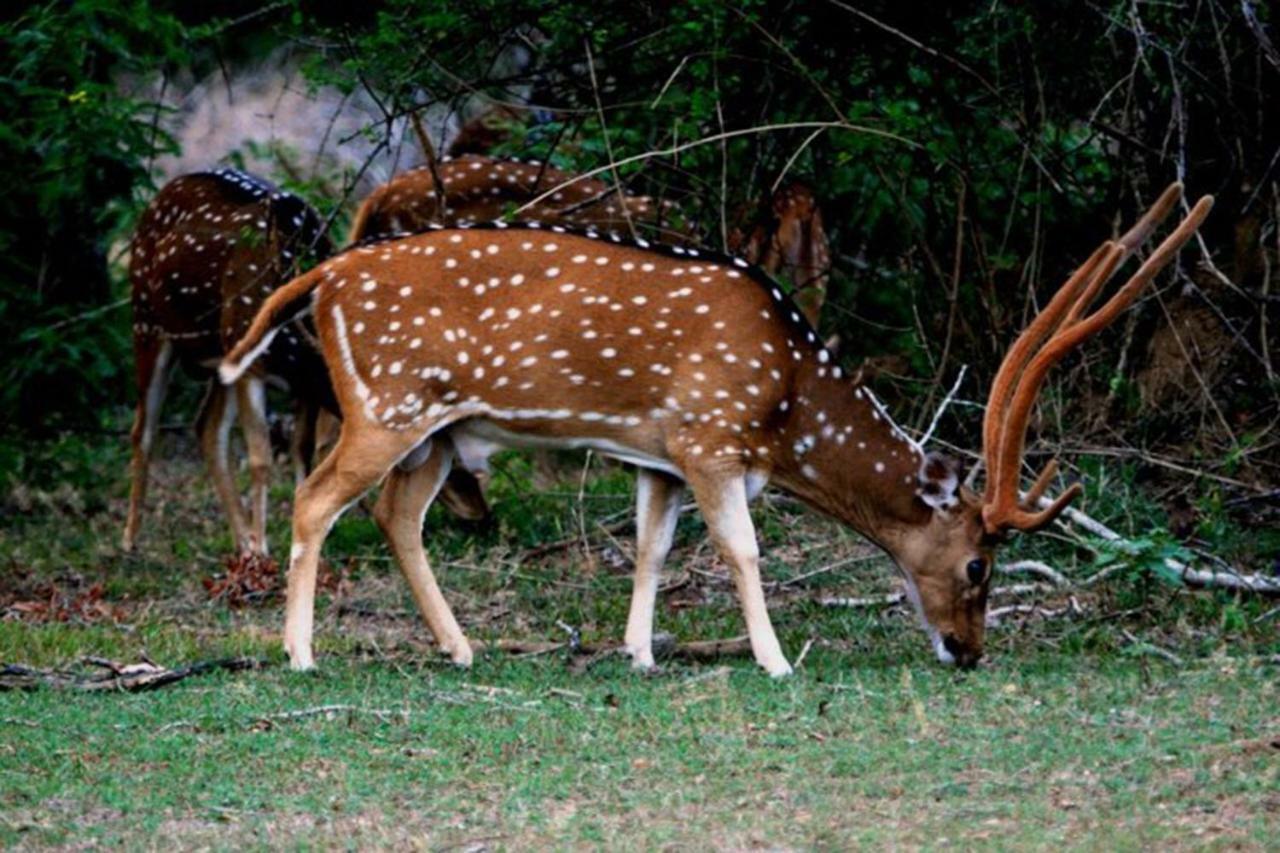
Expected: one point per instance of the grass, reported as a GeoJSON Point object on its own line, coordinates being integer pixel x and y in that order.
{"type": "Point", "coordinates": [1072, 735]}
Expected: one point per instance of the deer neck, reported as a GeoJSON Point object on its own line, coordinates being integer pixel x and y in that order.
{"type": "Point", "coordinates": [842, 454]}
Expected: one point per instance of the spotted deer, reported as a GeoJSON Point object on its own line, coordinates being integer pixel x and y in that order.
{"type": "Point", "coordinates": [208, 249]}
{"type": "Point", "coordinates": [785, 237]}
{"type": "Point", "coordinates": [695, 368]}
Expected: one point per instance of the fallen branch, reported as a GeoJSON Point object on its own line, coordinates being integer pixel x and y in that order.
{"type": "Point", "coordinates": [1071, 608]}
{"type": "Point", "coordinates": [122, 677]}
{"type": "Point", "coordinates": [1034, 567]}
{"type": "Point", "coordinates": [891, 598]}
{"type": "Point", "coordinates": [863, 601]}
{"type": "Point", "coordinates": [329, 711]}
{"type": "Point", "coordinates": [1200, 578]}
{"type": "Point", "coordinates": [1151, 648]}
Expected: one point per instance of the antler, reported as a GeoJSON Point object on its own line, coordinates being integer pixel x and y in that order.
{"type": "Point", "coordinates": [1055, 331]}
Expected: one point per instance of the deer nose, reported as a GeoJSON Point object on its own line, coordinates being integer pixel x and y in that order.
{"type": "Point", "coordinates": [964, 657]}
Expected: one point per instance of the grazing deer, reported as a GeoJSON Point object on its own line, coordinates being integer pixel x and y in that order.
{"type": "Point", "coordinates": [695, 368]}
{"type": "Point", "coordinates": [208, 249]}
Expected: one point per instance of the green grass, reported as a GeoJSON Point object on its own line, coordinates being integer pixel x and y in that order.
{"type": "Point", "coordinates": [1072, 734]}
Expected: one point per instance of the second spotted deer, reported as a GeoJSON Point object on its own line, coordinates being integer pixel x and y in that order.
{"type": "Point", "coordinates": [695, 368]}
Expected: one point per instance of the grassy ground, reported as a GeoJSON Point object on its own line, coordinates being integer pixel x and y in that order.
{"type": "Point", "coordinates": [1149, 718]}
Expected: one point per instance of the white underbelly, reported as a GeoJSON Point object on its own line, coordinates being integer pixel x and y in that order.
{"type": "Point", "coordinates": [476, 439]}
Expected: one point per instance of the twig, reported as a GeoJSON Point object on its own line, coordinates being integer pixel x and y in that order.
{"type": "Point", "coordinates": [804, 652]}
{"type": "Point", "coordinates": [119, 677]}
{"type": "Point", "coordinates": [838, 564]}
{"type": "Point", "coordinates": [946, 401]}
{"type": "Point", "coordinates": [864, 601]}
{"type": "Point", "coordinates": [672, 150]}
{"type": "Point", "coordinates": [1152, 648]}
{"type": "Point", "coordinates": [1034, 567]}
{"type": "Point", "coordinates": [608, 144]}
{"type": "Point", "coordinates": [696, 650]}
{"type": "Point", "coordinates": [382, 714]}
{"type": "Point", "coordinates": [1071, 608]}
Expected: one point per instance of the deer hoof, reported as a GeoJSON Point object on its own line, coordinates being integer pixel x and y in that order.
{"type": "Point", "coordinates": [781, 669]}
{"type": "Point", "coordinates": [641, 659]}
{"type": "Point", "coordinates": [460, 654]}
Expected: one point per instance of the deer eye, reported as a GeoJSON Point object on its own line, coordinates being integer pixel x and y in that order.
{"type": "Point", "coordinates": [977, 570]}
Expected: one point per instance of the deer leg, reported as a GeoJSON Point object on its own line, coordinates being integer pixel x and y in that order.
{"type": "Point", "coordinates": [154, 359]}
{"type": "Point", "coordinates": [657, 510]}
{"type": "Point", "coordinates": [352, 468]}
{"type": "Point", "coordinates": [400, 510]}
{"type": "Point", "coordinates": [302, 444]}
{"type": "Point", "coordinates": [723, 502]}
{"type": "Point", "coordinates": [213, 428]}
{"type": "Point", "coordinates": [251, 394]}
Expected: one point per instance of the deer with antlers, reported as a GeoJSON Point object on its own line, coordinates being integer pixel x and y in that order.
{"type": "Point", "coordinates": [208, 249]}
{"type": "Point", "coordinates": [695, 368]}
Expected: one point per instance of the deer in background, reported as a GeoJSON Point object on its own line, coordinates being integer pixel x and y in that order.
{"type": "Point", "coordinates": [477, 188]}
{"type": "Point", "coordinates": [207, 251]}
{"type": "Point", "coordinates": [695, 368]}
{"type": "Point", "coordinates": [786, 237]}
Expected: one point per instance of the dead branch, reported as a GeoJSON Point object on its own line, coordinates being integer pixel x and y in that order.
{"type": "Point", "coordinates": [863, 601]}
{"type": "Point", "coordinates": [1071, 608]}
{"type": "Point", "coordinates": [1192, 577]}
{"type": "Point", "coordinates": [382, 714]}
{"type": "Point", "coordinates": [117, 676]}
{"type": "Point", "coordinates": [1151, 648]}
{"type": "Point", "coordinates": [1034, 567]}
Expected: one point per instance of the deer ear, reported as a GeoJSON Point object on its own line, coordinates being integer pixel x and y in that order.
{"type": "Point", "coordinates": [939, 480]}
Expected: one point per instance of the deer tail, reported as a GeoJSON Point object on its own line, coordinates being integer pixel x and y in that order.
{"type": "Point", "coordinates": [361, 221]}
{"type": "Point", "coordinates": [279, 308]}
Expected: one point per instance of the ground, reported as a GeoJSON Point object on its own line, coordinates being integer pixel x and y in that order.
{"type": "Point", "coordinates": [1146, 718]}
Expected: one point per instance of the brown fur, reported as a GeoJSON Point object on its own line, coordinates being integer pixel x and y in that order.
{"type": "Point", "coordinates": [207, 250]}
{"type": "Point", "coordinates": [687, 364]}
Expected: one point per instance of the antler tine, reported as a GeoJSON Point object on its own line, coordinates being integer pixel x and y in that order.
{"type": "Point", "coordinates": [1041, 485]}
{"type": "Point", "coordinates": [1031, 522]}
{"type": "Point", "coordinates": [1132, 239]}
{"type": "Point", "coordinates": [1001, 510]}
{"type": "Point", "coordinates": [1144, 227]}
{"type": "Point", "coordinates": [1034, 336]}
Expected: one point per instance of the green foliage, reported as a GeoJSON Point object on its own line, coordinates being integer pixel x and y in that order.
{"type": "Point", "coordinates": [74, 153]}
{"type": "Point", "coordinates": [1147, 555]}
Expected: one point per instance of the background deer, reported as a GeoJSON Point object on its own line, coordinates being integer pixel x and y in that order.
{"type": "Point", "coordinates": [478, 188]}
{"type": "Point", "coordinates": [208, 249]}
{"type": "Point", "coordinates": [693, 367]}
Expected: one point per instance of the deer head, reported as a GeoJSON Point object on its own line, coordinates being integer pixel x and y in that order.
{"type": "Point", "coordinates": [947, 553]}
